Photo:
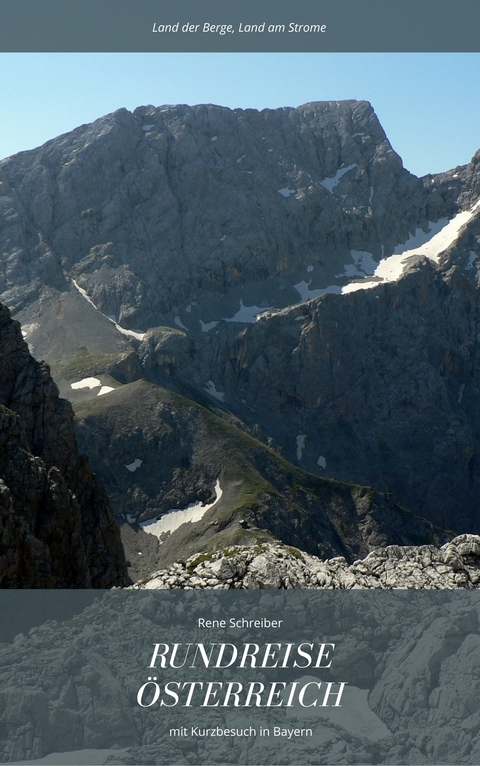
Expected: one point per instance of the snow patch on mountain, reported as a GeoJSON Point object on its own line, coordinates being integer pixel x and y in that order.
{"type": "Point", "coordinates": [303, 288]}
{"type": "Point", "coordinates": [363, 263]}
{"type": "Point", "coordinates": [430, 244]}
{"type": "Point", "coordinates": [174, 518]}
{"type": "Point", "coordinates": [127, 333]}
{"type": "Point", "coordinates": [472, 257]}
{"type": "Point", "coordinates": [248, 314]}
{"type": "Point", "coordinates": [105, 390]}
{"type": "Point", "coordinates": [211, 389]}
{"type": "Point", "coordinates": [132, 467]}
{"type": "Point", "coordinates": [28, 329]}
{"type": "Point", "coordinates": [330, 183]}
{"type": "Point", "coordinates": [300, 445]}
{"type": "Point", "coordinates": [206, 326]}
{"type": "Point", "coordinates": [86, 383]}
{"type": "Point", "coordinates": [179, 323]}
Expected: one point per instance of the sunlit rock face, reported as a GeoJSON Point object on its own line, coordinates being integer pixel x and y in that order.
{"type": "Point", "coordinates": [177, 207]}
{"type": "Point", "coordinates": [279, 269]}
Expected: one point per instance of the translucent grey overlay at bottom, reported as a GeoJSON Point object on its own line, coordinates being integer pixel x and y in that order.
{"type": "Point", "coordinates": [323, 677]}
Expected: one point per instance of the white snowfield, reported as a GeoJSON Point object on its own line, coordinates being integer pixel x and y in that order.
{"type": "Point", "coordinates": [303, 288]}
{"type": "Point", "coordinates": [247, 314]}
{"type": "Point", "coordinates": [363, 263]}
{"type": "Point", "coordinates": [244, 315]}
{"type": "Point", "coordinates": [179, 323]}
{"type": "Point", "coordinates": [206, 326]}
{"type": "Point", "coordinates": [28, 329]}
{"type": "Point", "coordinates": [127, 333]}
{"type": "Point", "coordinates": [105, 390]}
{"type": "Point", "coordinates": [300, 445]}
{"type": "Point", "coordinates": [133, 466]}
{"type": "Point", "coordinates": [211, 389]}
{"type": "Point", "coordinates": [431, 244]}
{"type": "Point", "coordinates": [330, 183]}
{"type": "Point", "coordinates": [92, 383]}
{"type": "Point", "coordinates": [174, 519]}
{"type": "Point", "coordinates": [86, 383]}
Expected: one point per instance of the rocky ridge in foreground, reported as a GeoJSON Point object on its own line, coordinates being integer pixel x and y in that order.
{"type": "Point", "coordinates": [455, 565]}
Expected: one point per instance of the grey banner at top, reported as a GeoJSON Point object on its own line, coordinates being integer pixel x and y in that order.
{"type": "Point", "coordinates": [234, 26]}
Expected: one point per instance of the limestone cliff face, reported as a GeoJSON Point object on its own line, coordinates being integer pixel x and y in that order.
{"type": "Point", "coordinates": [56, 523]}
{"type": "Point", "coordinates": [176, 206]}
{"type": "Point", "coordinates": [380, 386]}
{"type": "Point", "coordinates": [185, 223]}
{"type": "Point", "coordinates": [377, 386]}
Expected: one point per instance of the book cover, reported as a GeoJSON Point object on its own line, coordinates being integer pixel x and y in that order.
{"type": "Point", "coordinates": [238, 383]}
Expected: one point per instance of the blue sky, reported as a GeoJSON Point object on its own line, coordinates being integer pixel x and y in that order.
{"type": "Point", "coordinates": [427, 103]}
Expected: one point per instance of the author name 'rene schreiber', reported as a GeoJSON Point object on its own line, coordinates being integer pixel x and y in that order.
{"type": "Point", "coordinates": [242, 622]}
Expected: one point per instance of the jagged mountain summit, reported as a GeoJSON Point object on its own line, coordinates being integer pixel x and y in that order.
{"type": "Point", "coordinates": [275, 276]}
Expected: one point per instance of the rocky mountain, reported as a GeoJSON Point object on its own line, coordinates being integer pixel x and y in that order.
{"type": "Point", "coordinates": [159, 451]}
{"type": "Point", "coordinates": [165, 209]}
{"type": "Point", "coordinates": [262, 304]}
{"type": "Point", "coordinates": [375, 387]}
{"type": "Point", "coordinates": [455, 565]}
{"type": "Point", "coordinates": [56, 523]}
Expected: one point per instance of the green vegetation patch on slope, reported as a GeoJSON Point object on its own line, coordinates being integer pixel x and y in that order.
{"type": "Point", "coordinates": [123, 366]}
{"type": "Point", "coordinates": [178, 449]}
